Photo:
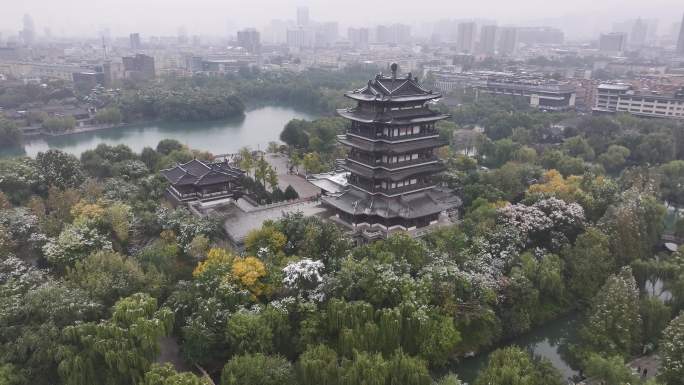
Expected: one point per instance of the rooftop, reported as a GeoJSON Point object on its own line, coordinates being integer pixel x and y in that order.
{"type": "Point", "coordinates": [391, 88]}
{"type": "Point", "coordinates": [199, 173]}
{"type": "Point", "coordinates": [413, 205]}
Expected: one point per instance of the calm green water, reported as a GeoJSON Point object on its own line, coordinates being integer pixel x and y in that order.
{"type": "Point", "coordinates": [547, 341]}
{"type": "Point", "coordinates": [255, 129]}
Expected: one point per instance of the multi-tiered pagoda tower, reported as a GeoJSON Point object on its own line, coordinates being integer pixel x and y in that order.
{"type": "Point", "coordinates": [391, 158]}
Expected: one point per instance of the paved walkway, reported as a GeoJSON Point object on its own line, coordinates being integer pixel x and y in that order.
{"type": "Point", "coordinates": [303, 187]}
{"type": "Point", "coordinates": [650, 363]}
{"type": "Point", "coordinates": [238, 223]}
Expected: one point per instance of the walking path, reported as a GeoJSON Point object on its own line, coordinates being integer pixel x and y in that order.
{"type": "Point", "coordinates": [303, 187]}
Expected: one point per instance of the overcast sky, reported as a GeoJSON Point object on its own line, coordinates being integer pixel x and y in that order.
{"type": "Point", "coordinates": [212, 17]}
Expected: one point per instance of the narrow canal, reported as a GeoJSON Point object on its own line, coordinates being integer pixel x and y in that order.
{"type": "Point", "coordinates": [548, 341]}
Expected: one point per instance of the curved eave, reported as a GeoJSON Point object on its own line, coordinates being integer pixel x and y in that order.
{"type": "Point", "coordinates": [394, 148]}
{"type": "Point", "coordinates": [409, 206]}
{"type": "Point", "coordinates": [351, 115]}
{"type": "Point", "coordinates": [361, 97]}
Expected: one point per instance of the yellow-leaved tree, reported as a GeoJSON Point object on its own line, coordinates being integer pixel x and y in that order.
{"type": "Point", "coordinates": [249, 273]}
{"type": "Point", "coordinates": [553, 184]}
{"type": "Point", "coordinates": [217, 258]}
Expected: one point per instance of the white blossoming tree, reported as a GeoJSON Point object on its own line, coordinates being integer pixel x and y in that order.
{"type": "Point", "coordinates": [672, 352]}
{"type": "Point", "coordinates": [73, 244]}
{"type": "Point", "coordinates": [303, 276]}
{"type": "Point", "coordinates": [614, 323]}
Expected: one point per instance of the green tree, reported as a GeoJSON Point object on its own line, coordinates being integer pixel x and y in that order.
{"type": "Point", "coordinates": [272, 178]}
{"type": "Point", "coordinates": [672, 182]}
{"type": "Point", "coordinates": [249, 332]}
{"type": "Point", "coordinates": [115, 351]}
{"type": "Point", "coordinates": [312, 163]}
{"type": "Point", "coordinates": [258, 369]}
{"type": "Point", "coordinates": [656, 148]}
{"type": "Point", "coordinates": [10, 135]}
{"type": "Point", "coordinates": [108, 276]}
{"type": "Point", "coordinates": [290, 193]}
{"type": "Point", "coordinates": [109, 115]}
{"type": "Point", "coordinates": [449, 379]}
{"type": "Point", "coordinates": [634, 226]}
{"type": "Point", "coordinates": [273, 147]}
{"type": "Point", "coordinates": [610, 370]}
{"type": "Point", "coordinates": [514, 366]}
{"type": "Point", "coordinates": [365, 369]}
{"type": "Point", "coordinates": [150, 157]}
{"type": "Point", "coordinates": [613, 326]}
{"type": "Point", "coordinates": [578, 146]}
{"type": "Point", "coordinates": [294, 134]}
{"type": "Point", "coordinates": [10, 376]}
{"type": "Point", "coordinates": [166, 375]}
{"type": "Point", "coordinates": [60, 169]}
{"type": "Point", "coordinates": [318, 365]}
{"type": "Point", "coordinates": [261, 170]}
{"type": "Point", "coordinates": [655, 315]}
{"type": "Point", "coordinates": [167, 146]}
{"type": "Point", "coordinates": [57, 124]}
{"type": "Point", "coordinates": [247, 161]}
{"type": "Point", "coordinates": [588, 263]}
{"type": "Point", "coordinates": [614, 158]}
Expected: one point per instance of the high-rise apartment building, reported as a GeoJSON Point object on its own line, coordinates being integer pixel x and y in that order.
{"type": "Point", "coordinates": [250, 40]}
{"type": "Point", "coordinates": [139, 67]}
{"type": "Point", "coordinates": [134, 41]}
{"type": "Point", "coordinates": [680, 41]}
{"type": "Point", "coordinates": [488, 39]}
{"type": "Point", "coordinates": [508, 40]}
{"type": "Point", "coordinates": [300, 38]}
{"type": "Point", "coordinates": [466, 37]}
{"type": "Point", "coordinates": [358, 37]}
{"type": "Point", "coordinates": [540, 35]}
{"type": "Point", "coordinates": [303, 16]}
{"type": "Point", "coordinates": [393, 34]}
{"type": "Point", "coordinates": [613, 42]}
{"type": "Point", "coordinates": [28, 33]}
{"type": "Point", "coordinates": [638, 34]}
{"type": "Point", "coordinates": [326, 34]}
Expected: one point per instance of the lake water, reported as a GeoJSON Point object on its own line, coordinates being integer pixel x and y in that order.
{"type": "Point", "coordinates": [547, 341]}
{"type": "Point", "coordinates": [255, 130]}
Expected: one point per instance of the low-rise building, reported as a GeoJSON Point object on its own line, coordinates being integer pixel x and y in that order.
{"type": "Point", "coordinates": [620, 97]}
{"type": "Point", "coordinates": [196, 180]}
{"type": "Point", "coordinates": [139, 67]}
{"type": "Point", "coordinates": [540, 92]}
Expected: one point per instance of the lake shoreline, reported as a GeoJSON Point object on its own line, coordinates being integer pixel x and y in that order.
{"type": "Point", "coordinates": [255, 128]}
{"type": "Point", "coordinates": [99, 127]}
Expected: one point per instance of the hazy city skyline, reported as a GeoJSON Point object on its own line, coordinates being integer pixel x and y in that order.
{"type": "Point", "coordinates": [579, 19]}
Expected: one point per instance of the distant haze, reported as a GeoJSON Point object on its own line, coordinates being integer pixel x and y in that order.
{"type": "Point", "coordinates": [579, 18]}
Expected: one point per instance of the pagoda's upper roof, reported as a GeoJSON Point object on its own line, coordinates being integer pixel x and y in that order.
{"type": "Point", "coordinates": [198, 173]}
{"type": "Point", "coordinates": [393, 89]}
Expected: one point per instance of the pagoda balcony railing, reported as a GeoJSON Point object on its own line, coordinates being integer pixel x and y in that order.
{"type": "Point", "coordinates": [392, 166]}
{"type": "Point", "coordinates": [392, 139]}
{"type": "Point", "coordinates": [396, 175]}
{"type": "Point", "coordinates": [398, 147]}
